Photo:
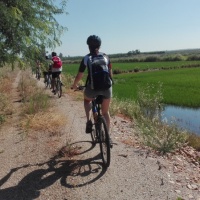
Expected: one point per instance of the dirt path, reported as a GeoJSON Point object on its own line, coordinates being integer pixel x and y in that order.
{"type": "Point", "coordinates": [33, 168]}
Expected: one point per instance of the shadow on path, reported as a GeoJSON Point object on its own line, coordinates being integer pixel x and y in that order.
{"type": "Point", "coordinates": [71, 173]}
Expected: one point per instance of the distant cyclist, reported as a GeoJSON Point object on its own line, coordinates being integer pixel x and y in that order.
{"type": "Point", "coordinates": [38, 69]}
{"type": "Point", "coordinates": [56, 69]}
{"type": "Point", "coordinates": [47, 68]}
{"type": "Point", "coordinates": [96, 84]}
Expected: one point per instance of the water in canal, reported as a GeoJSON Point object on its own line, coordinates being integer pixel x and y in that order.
{"type": "Point", "coordinates": [186, 118]}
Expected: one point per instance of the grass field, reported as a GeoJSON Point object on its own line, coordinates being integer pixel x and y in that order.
{"type": "Point", "coordinates": [180, 85]}
{"type": "Point", "coordinates": [73, 68]}
{"type": "Point", "coordinates": [154, 65]}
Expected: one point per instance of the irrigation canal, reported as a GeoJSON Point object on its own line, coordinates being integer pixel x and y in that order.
{"type": "Point", "coordinates": [186, 118]}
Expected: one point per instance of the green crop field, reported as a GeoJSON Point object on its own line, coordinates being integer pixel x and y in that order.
{"type": "Point", "coordinates": [154, 65]}
{"type": "Point", "coordinates": [73, 68]}
{"type": "Point", "coordinates": [180, 86]}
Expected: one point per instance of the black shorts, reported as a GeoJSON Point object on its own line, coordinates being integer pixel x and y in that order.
{"type": "Point", "coordinates": [55, 74]}
{"type": "Point", "coordinates": [88, 92]}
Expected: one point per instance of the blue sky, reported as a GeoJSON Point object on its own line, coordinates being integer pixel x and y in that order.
{"type": "Point", "coordinates": [125, 25]}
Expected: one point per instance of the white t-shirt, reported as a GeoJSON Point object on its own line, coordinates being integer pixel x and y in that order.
{"type": "Point", "coordinates": [57, 69]}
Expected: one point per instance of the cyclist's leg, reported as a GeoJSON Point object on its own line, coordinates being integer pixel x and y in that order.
{"type": "Point", "coordinates": [88, 107]}
{"type": "Point", "coordinates": [105, 111]}
{"type": "Point", "coordinates": [89, 95]}
{"type": "Point", "coordinates": [60, 76]}
{"type": "Point", "coordinates": [88, 112]}
{"type": "Point", "coordinates": [105, 106]}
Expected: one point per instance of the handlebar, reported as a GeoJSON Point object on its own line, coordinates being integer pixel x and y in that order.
{"type": "Point", "coordinates": [79, 88]}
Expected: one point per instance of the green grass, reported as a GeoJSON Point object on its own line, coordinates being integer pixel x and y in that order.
{"type": "Point", "coordinates": [73, 68]}
{"type": "Point", "coordinates": [180, 87]}
{"type": "Point", "coordinates": [154, 65]}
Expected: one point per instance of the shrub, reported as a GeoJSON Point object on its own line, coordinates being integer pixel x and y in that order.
{"type": "Point", "coordinates": [34, 98]}
{"type": "Point", "coordinates": [151, 59]}
{"type": "Point", "coordinates": [37, 102]}
{"type": "Point", "coordinates": [68, 80]}
{"type": "Point", "coordinates": [194, 141]}
{"type": "Point", "coordinates": [160, 136]}
{"type": "Point", "coordinates": [127, 107]}
{"type": "Point", "coordinates": [155, 133]}
{"type": "Point", "coordinates": [27, 86]}
{"type": "Point", "coordinates": [2, 119]}
{"type": "Point", "coordinates": [193, 57]}
{"type": "Point", "coordinates": [136, 70]}
{"type": "Point", "coordinates": [117, 71]}
{"type": "Point", "coordinates": [149, 99]}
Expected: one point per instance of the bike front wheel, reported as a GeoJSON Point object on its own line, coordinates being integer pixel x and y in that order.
{"type": "Point", "coordinates": [94, 136]}
{"type": "Point", "coordinates": [46, 81]}
{"type": "Point", "coordinates": [104, 141]}
{"type": "Point", "coordinates": [48, 84]}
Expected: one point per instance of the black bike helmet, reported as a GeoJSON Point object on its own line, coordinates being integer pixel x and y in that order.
{"type": "Point", "coordinates": [94, 41]}
{"type": "Point", "coordinates": [54, 54]}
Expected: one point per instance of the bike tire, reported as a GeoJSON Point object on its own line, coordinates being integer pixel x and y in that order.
{"type": "Point", "coordinates": [104, 141]}
{"type": "Point", "coordinates": [94, 136]}
{"type": "Point", "coordinates": [59, 89]}
{"type": "Point", "coordinates": [49, 82]}
{"type": "Point", "coordinates": [46, 81]}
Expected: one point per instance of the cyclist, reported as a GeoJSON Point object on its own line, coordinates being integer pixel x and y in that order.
{"type": "Point", "coordinates": [94, 43]}
{"type": "Point", "coordinates": [56, 69]}
{"type": "Point", "coordinates": [47, 68]}
{"type": "Point", "coordinates": [38, 69]}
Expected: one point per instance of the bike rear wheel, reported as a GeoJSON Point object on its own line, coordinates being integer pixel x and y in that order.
{"type": "Point", "coordinates": [59, 88]}
{"type": "Point", "coordinates": [104, 141]}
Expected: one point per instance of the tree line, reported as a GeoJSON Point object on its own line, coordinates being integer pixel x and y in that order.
{"type": "Point", "coordinates": [28, 28]}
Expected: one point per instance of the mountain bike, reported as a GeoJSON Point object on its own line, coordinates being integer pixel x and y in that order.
{"type": "Point", "coordinates": [99, 132]}
{"type": "Point", "coordinates": [58, 86]}
{"type": "Point", "coordinates": [47, 79]}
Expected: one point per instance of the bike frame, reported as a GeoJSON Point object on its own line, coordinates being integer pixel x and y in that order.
{"type": "Point", "coordinates": [100, 134]}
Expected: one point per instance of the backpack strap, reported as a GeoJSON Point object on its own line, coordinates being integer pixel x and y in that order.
{"type": "Point", "coordinates": [89, 63]}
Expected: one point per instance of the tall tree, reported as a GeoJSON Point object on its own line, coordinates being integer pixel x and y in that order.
{"type": "Point", "coordinates": [29, 27]}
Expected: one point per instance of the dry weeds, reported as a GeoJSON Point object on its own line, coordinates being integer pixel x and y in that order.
{"type": "Point", "coordinates": [50, 121]}
{"type": "Point", "coordinates": [6, 82]}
